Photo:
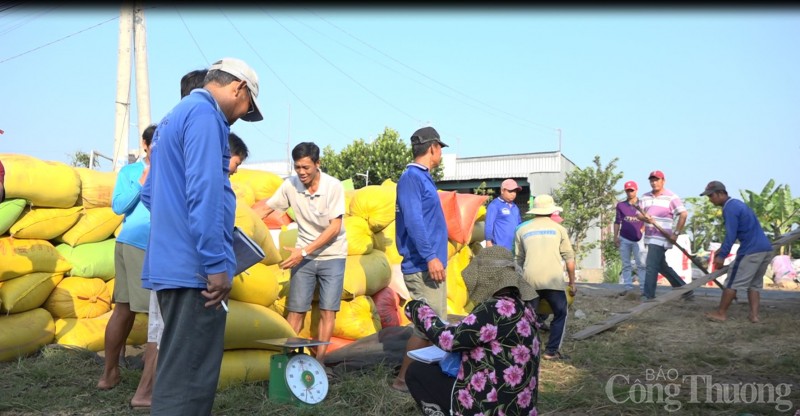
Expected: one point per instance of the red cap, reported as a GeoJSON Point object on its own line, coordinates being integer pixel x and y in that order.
{"type": "Point", "coordinates": [631, 185]}
{"type": "Point", "coordinates": [657, 173]}
{"type": "Point", "coordinates": [510, 185]}
{"type": "Point", "coordinates": [555, 217]}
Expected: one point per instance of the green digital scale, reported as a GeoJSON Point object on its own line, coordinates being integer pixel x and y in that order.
{"type": "Point", "coordinates": [295, 377]}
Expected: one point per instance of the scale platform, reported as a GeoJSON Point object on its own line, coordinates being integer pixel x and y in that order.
{"type": "Point", "coordinates": [295, 377]}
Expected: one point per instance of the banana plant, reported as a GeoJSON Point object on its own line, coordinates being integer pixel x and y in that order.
{"type": "Point", "coordinates": [775, 208]}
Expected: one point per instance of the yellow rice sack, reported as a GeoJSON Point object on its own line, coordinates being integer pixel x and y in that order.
{"type": "Point", "coordinates": [249, 222]}
{"type": "Point", "coordinates": [45, 223]}
{"type": "Point", "coordinates": [359, 236]}
{"type": "Point", "coordinates": [90, 259]}
{"type": "Point", "coordinates": [263, 238]}
{"type": "Point", "coordinates": [263, 183]}
{"type": "Point", "coordinates": [24, 333]}
{"type": "Point", "coordinates": [376, 204]}
{"type": "Point", "coordinates": [27, 292]}
{"type": "Point", "coordinates": [286, 238]}
{"type": "Point", "coordinates": [365, 274]}
{"type": "Point", "coordinates": [244, 192]}
{"type": "Point", "coordinates": [356, 319]}
{"type": "Point", "coordinates": [456, 289]}
{"type": "Point", "coordinates": [19, 257]}
{"type": "Point", "coordinates": [248, 323]}
{"type": "Point", "coordinates": [385, 241]}
{"type": "Point", "coordinates": [79, 297]}
{"type": "Point", "coordinates": [10, 210]}
{"type": "Point", "coordinates": [94, 225]}
{"type": "Point", "coordinates": [44, 184]}
{"type": "Point", "coordinates": [244, 366]}
{"type": "Point", "coordinates": [90, 333]}
{"type": "Point", "coordinates": [97, 187]}
{"type": "Point", "coordinates": [481, 214]}
{"type": "Point", "coordinates": [257, 285]}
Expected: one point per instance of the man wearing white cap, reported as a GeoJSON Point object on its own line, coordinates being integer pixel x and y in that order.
{"type": "Point", "coordinates": [541, 244]}
{"type": "Point", "coordinates": [502, 216]}
{"type": "Point", "coordinates": [189, 259]}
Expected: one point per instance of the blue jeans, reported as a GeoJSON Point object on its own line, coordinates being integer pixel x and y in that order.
{"type": "Point", "coordinates": [628, 248]}
{"type": "Point", "coordinates": [657, 263]}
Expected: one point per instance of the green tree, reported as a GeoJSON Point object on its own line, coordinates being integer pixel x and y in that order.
{"type": "Point", "coordinates": [775, 208]}
{"type": "Point", "coordinates": [704, 224]}
{"type": "Point", "coordinates": [81, 159]}
{"type": "Point", "coordinates": [371, 163]}
{"type": "Point", "coordinates": [589, 199]}
{"type": "Point", "coordinates": [483, 190]}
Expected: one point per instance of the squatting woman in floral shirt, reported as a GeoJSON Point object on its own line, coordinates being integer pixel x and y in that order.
{"type": "Point", "coordinates": [498, 342]}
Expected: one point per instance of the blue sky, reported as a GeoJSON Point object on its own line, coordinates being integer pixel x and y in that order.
{"type": "Point", "coordinates": [699, 94]}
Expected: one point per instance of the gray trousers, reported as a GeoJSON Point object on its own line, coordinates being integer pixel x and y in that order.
{"type": "Point", "coordinates": [190, 354]}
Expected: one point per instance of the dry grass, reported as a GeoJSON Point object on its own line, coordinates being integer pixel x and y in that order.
{"type": "Point", "coordinates": [659, 348]}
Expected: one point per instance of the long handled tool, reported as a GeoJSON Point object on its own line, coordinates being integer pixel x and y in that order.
{"type": "Point", "coordinates": [694, 259]}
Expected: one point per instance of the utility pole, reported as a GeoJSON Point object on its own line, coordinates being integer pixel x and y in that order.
{"type": "Point", "coordinates": [122, 111]}
{"type": "Point", "coordinates": [132, 30]}
{"type": "Point", "coordinates": [142, 79]}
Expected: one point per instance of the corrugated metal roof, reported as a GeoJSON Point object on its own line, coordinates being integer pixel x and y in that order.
{"type": "Point", "coordinates": [505, 166]}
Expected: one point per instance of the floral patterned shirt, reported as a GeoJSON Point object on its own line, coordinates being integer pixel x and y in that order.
{"type": "Point", "coordinates": [499, 345]}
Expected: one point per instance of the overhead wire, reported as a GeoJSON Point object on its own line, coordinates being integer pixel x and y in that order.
{"type": "Point", "coordinates": [208, 62]}
{"type": "Point", "coordinates": [58, 40]}
{"type": "Point", "coordinates": [398, 109]}
{"type": "Point", "coordinates": [454, 98]}
{"type": "Point", "coordinates": [9, 27]}
{"type": "Point", "coordinates": [8, 5]}
{"type": "Point", "coordinates": [291, 91]}
{"type": "Point", "coordinates": [540, 125]}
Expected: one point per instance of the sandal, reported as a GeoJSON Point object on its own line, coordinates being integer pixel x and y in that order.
{"type": "Point", "coordinates": [554, 356]}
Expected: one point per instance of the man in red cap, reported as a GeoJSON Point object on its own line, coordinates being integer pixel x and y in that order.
{"type": "Point", "coordinates": [627, 233]}
{"type": "Point", "coordinates": [660, 207]}
{"type": "Point", "coordinates": [502, 216]}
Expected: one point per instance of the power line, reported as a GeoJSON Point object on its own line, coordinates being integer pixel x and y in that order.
{"type": "Point", "coordinates": [58, 40]}
{"type": "Point", "coordinates": [344, 72]}
{"type": "Point", "coordinates": [505, 117]}
{"type": "Point", "coordinates": [280, 79]}
{"type": "Point", "coordinates": [428, 77]}
{"type": "Point", "coordinates": [11, 26]}
{"type": "Point", "coordinates": [193, 39]}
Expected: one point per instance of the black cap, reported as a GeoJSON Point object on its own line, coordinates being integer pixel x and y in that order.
{"type": "Point", "coordinates": [425, 135]}
{"type": "Point", "coordinates": [712, 187]}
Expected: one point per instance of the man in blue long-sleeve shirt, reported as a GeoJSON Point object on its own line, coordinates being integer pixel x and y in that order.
{"type": "Point", "coordinates": [421, 234]}
{"type": "Point", "coordinates": [752, 258]}
{"type": "Point", "coordinates": [189, 259]}
{"type": "Point", "coordinates": [503, 217]}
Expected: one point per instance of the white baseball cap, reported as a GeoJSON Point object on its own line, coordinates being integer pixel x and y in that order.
{"type": "Point", "coordinates": [243, 72]}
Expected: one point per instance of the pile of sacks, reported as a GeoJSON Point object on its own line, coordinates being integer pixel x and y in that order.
{"type": "Point", "coordinates": [57, 237]}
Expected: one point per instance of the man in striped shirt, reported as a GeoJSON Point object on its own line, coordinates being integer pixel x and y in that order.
{"type": "Point", "coordinates": [660, 206]}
